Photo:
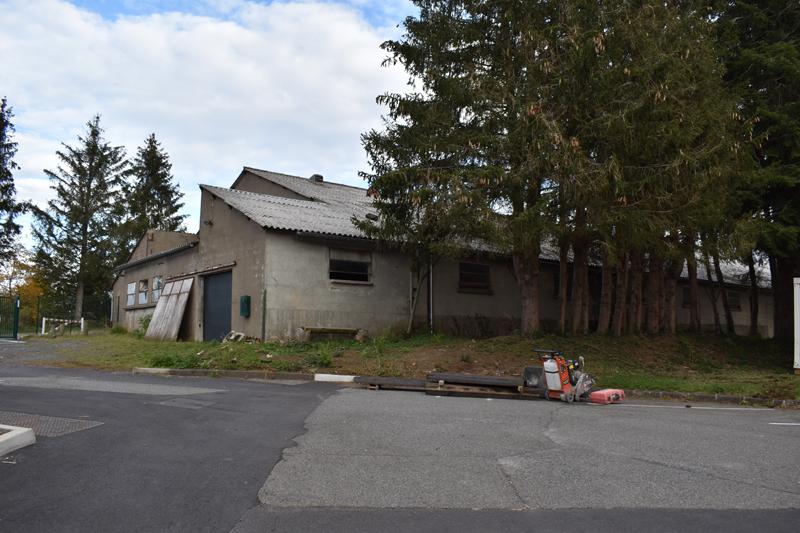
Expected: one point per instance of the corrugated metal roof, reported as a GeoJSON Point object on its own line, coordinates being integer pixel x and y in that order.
{"type": "Point", "coordinates": [314, 216]}
{"type": "Point", "coordinates": [332, 206]}
{"type": "Point", "coordinates": [324, 191]}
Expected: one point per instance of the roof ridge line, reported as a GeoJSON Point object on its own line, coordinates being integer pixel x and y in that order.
{"type": "Point", "coordinates": [268, 197]}
{"type": "Point", "coordinates": [307, 179]}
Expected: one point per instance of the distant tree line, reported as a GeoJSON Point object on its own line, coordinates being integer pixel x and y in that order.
{"type": "Point", "coordinates": [641, 136]}
{"type": "Point", "coordinates": [103, 204]}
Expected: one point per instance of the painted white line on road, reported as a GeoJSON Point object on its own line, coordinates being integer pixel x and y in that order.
{"type": "Point", "coordinates": [784, 423]}
{"type": "Point", "coordinates": [693, 407]}
{"type": "Point", "coordinates": [336, 378]}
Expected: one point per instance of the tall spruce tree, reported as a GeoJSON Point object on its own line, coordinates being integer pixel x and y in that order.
{"type": "Point", "coordinates": [73, 235]}
{"type": "Point", "coordinates": [600, 125]}
{"type": "Point", "coordinates": [9, 207]}
{"type": "Point", "coordinates": [469, 152]}
{"type": "Point", "coordinates": [152, 198]}
{"type": "Point", "coordinates": [761, 42]}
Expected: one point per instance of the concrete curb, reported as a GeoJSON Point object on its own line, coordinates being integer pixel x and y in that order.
{"type": "Point", "coordinates": [239, 374]}
{"type": "Point", "coordinates": [718, 398]}
{"type": "Point", "coordinates": [416, 385]}
{"type": "Point", "coordinates": [15, 439]}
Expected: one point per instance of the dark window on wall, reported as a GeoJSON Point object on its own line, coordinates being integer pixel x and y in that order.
{"type": "Point", "coordinates": [143, 292]}
{"type": "Point", "coordinates": [351, 266]}
{"type": "Point", "coordinates": [474, 277]}
{"type": "Point", "coordinates": [131, 299]}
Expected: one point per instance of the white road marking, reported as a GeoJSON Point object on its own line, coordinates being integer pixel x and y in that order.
{"type": "Point", "coordinates": [784, 423]}
{"type": "Point", "coordinates": [693, 407]}
{"type": "Point", "coordinates": [335, 378]}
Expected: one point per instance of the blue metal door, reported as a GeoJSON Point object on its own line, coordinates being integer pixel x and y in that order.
{"type": "Point", "coordinates": [217, 306]}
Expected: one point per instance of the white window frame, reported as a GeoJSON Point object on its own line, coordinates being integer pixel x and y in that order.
{"type": "Point", "coordinates": [130, 300]}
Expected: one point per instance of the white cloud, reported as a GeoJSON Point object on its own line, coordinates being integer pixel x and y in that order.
{"type": "Point", "coordinates": [287, 86]}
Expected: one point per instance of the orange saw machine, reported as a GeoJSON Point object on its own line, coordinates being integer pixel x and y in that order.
{"type": "Point", "coordinates": [563, 379]}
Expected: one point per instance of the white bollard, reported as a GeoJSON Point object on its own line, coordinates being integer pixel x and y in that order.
{"type": "Point", "coordinates": [84, 331]}
{"type": "Point", "coordinates": [44, 325]}
{"type": "Point", "coordinates": [797, 325]}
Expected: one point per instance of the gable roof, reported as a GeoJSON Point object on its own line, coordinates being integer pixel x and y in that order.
{"type": "Point", "coordinates": [324, 191]}
{"type": "Point", "coordinates": [311, 216]}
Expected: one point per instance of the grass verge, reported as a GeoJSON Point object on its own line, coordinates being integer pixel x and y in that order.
{"type": "Point", "coordinates": [686, 363]}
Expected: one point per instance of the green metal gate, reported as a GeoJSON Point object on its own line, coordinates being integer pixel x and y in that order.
{"type": "Point", "coordinates": [9, 317]}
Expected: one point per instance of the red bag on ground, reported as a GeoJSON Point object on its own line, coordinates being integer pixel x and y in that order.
{"type": "Point", "coordinates": [607, 396]}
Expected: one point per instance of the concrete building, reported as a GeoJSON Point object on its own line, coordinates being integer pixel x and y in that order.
{"type": "Point", "coordinates": [278, 256]}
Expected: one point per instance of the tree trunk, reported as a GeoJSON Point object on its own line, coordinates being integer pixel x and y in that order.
{"type": "Point", "coordinates": [422, 276]}
{"type": "Point", "coordinates": [785, 268]}
{"type": "Point", "coordinates": [694, 287]}
{"type": "Point", "coordinates": [79, 298]}
{"type": "Point", "coordinates": [671, 297]}
{"type": "Point", "coordinates": [578, 292]}
{"type": "Point", "coordinates": [721, 285]}
{"type": "Point", "coordinates": [621, 294]}
{"type": "Point", "coordinates": [712, 293]}
{"type": "Point", "coordinates": [654, 294]}
{"type": "Point", "coordinates": [563, 286]}
{"type": "Point", "coordinates": [526, 269]}
{"type": "Point", "coordinates": [751, 265]}
{"type": "Point", "coordinates": [635, 278]}
{"type": "Point", "coordinates": [606, 294]}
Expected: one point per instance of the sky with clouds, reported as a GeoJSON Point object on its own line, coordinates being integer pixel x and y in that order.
{"type": "Point", "coordinates": [284, 85]}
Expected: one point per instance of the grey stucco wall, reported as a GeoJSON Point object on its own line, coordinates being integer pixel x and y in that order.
{"type": "Point", "coordinates": [300, 293]}
{"type": "Point", "coordinates": [741, 317]}
{"type": "Point", "coordinates": [227, 236]}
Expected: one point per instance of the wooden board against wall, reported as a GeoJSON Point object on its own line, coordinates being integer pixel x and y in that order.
{"type": "Point", "coordinates": [167, 318]}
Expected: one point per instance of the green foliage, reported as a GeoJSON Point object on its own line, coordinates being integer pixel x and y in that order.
{"type": "Point", "coordinates": [761, 48]}
{"type": "Point", "coordinates": [318, 360]}
{"type": "Point", "coordinates": [10, 208]}
{"type": "Point", "coordinates": [175, 361]}
{"type": "Point", "coordinates": [151, 199]}
{"type": "Point", "coordinates": [118, 330]}
{"type": "Point", "coordinates": [74, 247]}
{"type": "Point", "coordinates": [604, 125]}
{"type": "Point", "coordinates": [144, 323]}
{"type": "Point", "coordinates": [286, 366]}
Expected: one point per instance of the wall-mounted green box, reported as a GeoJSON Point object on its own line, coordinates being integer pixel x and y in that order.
{"type": "Point", "coordinates": [244, 306]}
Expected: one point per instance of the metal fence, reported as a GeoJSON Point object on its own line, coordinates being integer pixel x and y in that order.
{"type": "Point", "coordinates": [9, 317]}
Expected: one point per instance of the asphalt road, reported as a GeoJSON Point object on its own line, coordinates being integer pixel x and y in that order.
{"type": "Point", "coordinates": [138, 453]}
{"type": "Point", "coordinates": [170, 455]}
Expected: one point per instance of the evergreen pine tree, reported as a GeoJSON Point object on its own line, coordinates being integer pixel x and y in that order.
{"type": "Point", "coordinates": [155, 198]}
{"type": "Point", "coordinates": [152, 198]}
{"type": "Point", "coordinates": [73, 235]}
{"type": "Point", "coordinates": [9, 207]}
{"type": "Point", "coordinates": [761, 44]}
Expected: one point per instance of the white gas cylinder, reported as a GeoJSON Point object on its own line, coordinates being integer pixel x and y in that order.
{"type": "Point", "coordinates": [552, 375]}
